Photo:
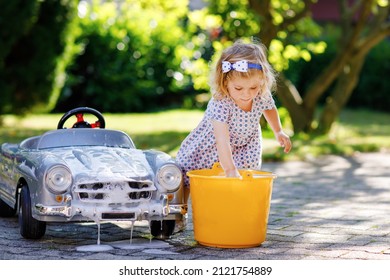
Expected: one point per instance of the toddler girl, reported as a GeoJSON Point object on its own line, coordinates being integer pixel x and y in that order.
{"type": "Point", "coordinates": [230, 131]}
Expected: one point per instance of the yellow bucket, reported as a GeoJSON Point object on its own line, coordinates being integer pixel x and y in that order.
{"type": "Point", "coordinates": [230, 212]}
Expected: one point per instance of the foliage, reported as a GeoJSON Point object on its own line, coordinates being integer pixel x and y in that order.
{"type": "Point", "coordinates": [285, 27]}
{"type": "Point", "coordinates": [129, 60]}
{"type": "Point", "coordinates": [372, 89]}
{"type": "Point", "coordinates": [33, 52]}
{"type": "Point", "coordinates": [222, 22]}
{"type": "Point", "coordinates": [145, 55]}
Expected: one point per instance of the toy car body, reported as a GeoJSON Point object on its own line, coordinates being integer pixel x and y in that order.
{"type": "Point", "coordinates": [80, 174]}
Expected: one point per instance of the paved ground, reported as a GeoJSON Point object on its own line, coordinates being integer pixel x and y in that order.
{"type": "Point", "coordinates": [329, 208]}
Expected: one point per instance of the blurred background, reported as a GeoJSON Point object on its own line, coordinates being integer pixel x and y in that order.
{"type": "Point", "coordinates": [145, 56]}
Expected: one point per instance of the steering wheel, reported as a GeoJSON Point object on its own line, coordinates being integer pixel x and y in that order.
{"type": "Point", "coordinates": [81, 123]}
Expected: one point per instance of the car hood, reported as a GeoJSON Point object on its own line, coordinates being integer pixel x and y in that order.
{"type": "Point", "coordinates": [103, 163]}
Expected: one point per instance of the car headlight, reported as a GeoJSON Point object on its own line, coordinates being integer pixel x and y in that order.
{"type": "Point", "coordinates": [58, 179]}
{"type": "Point", "coordinates": [169, 177]}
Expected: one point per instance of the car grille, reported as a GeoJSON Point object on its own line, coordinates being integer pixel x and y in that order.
{"type": "Point", "coordinates": [122, 192]}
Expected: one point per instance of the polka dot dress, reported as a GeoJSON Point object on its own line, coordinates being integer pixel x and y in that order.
{"type": "Point", "coordinates": [199, 150]}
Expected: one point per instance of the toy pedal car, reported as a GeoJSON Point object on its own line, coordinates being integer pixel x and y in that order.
{"type": "Point", "coordinates": [88, 173]}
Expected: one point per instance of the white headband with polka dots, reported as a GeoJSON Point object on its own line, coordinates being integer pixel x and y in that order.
{"type": "Point", "coordinates": [241, 66]}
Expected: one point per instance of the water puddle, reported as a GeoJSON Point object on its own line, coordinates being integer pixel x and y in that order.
{"type": "Point", "coordinates": [140, 243]}
{"type": "Point", "coordinates": [148, 246]}
{"type": "Point", "coordinates": [94, 248]}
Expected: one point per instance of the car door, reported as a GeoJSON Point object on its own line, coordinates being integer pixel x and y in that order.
{"type": "Point", "coordinates": [7, 173]}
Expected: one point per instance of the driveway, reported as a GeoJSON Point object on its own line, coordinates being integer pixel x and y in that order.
{"type": "Point", "coordinates": [329, 208]}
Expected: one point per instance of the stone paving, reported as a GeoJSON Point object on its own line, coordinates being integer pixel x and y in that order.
{"type": "Point", "coordinates": [329, 208]}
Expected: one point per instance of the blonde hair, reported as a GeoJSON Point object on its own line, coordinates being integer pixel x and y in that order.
{"type": "Point", "coordinates": [253, 53]}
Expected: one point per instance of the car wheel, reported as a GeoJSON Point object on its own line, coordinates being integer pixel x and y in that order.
{"type": "Point", "coordinates": [162, 229]}
{"type": "Point", "coordinates": [30, 228]}
{"type": "Point", "coordinates": [6, 210]}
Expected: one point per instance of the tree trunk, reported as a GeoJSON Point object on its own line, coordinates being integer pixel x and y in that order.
{"type": "Point", "coordinates": [349, 76]}
{"type": "Point", "coordinates": [361, 31]}
{"type": "Point", "coordinates": [340, 95]}
{"type": "Point", "coordinates": [292, 101]}
{"type": "Point", "coordinates": [287, 92]}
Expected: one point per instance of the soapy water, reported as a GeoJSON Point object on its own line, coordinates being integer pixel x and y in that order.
{"type": "Point", "coordinates": [93, 213]}
{"type": "Point", "coordinates": [140, 243]}
{"type": "Point", "coordinates": [94, 248]}
{"type": "Point", "coordinates": [115, 194]}
{"type": "Point", "coordinates": [146, 245]}
{"type": "Point", "coordinates": [149, 246]}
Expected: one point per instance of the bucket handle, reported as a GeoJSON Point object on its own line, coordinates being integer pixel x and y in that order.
{"type": "Point", "coordinates": [217, 166]}
{"type": "Point", "coordinates": [246, 174]}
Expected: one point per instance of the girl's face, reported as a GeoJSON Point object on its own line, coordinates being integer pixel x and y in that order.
{"type": "Point", "coordinates": [243, 90]}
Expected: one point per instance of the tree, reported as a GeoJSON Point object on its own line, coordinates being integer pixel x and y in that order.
{"type": "Point", "coordinates": [128, 61]}
{"type": "Point", "coordinates": [287, 30]}
{"type": "Point", "coordinates": [35, 46]}
{"type": "Point", "coordinates": [363, 25]}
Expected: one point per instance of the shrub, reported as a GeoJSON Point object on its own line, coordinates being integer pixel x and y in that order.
{"type": "Point", "coordinates": [34, 36]}
{"type": "Point", "coordinates": [129, 61]}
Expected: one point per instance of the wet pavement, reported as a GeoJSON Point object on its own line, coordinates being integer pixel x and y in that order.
{"type": "Point", "coordinates": [333, 208]}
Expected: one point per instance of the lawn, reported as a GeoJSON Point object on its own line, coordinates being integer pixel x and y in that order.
{"type": "Point", "coordinates": [355, 131]}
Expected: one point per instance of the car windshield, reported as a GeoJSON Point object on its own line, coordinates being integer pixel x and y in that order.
{"type": "Point", "coordinates": [84, 137]}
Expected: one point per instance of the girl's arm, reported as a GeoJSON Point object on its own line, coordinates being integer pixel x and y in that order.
{"type": "Point", "coordinates": [272, 117]}
{"type": "Point", "coordinates": [222, 137]}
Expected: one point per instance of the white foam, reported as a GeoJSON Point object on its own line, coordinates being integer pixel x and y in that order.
{"type": "Point", "coordinates": [94, 248]}
{"type": "Point", "coordinates": [138, 243]}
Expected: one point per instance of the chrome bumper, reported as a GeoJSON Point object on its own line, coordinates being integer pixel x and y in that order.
{"type": "Point", "coordinates": [108, 213]}
{"type": "Point", "coordinates": [64, 211]}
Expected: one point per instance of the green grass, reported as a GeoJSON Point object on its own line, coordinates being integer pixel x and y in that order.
{"type": "Point", "coordinates": [356, 131]}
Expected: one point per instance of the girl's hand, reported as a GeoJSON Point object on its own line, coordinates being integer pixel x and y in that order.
{"type": "Point", "coordinates": [222, 137]}
{"type": "Point", "coordinates": [272, 117]}
{"type": "Point", "coordinates": [232, 173]}
{"type": "Point", "coordinates": [284, 141]}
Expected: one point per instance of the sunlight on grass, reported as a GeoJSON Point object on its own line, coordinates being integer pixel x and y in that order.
{"type": "Point", "coordinates": [356, 130]}
{"type": "Point", "coordinates": [174, 120]}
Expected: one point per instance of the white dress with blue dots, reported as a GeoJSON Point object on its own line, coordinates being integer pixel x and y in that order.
{"type": "Point", "coordinates": [199, 150]}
